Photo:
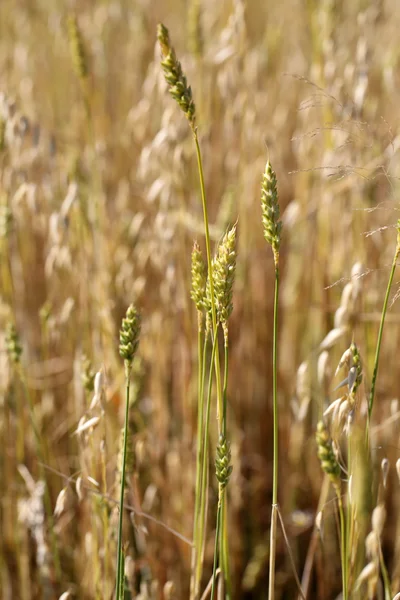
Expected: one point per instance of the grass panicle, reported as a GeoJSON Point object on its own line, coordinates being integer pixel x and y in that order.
{"type": "Point", "coordinates": [174, 76]}
{"type": "Point", "coordinates": [77, 48]}
{"type": "Point", "coordinates": [270, 210]}
{"type": "Point", "coordinates": [199, 278]}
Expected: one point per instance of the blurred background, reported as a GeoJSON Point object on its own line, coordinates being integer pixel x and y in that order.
{"type": "Point", "coordinates": [100, 206]}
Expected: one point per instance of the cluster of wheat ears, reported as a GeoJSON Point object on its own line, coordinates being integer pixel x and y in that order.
{"type": "Point", "coordinates": [97, 225]}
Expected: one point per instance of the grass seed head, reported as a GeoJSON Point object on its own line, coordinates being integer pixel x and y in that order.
{"type": "Point", "coordinates": [224, 267]}
{"type": "Point", "coordinates": [199, 278]}
{"type": "Point", "coordinates": [87, 375]}
{"type": "Point", "coordinates": [270, 210]}
{"type": "Point", "coordinates": [222, 461]}
{"type": "Point", "coordinates": [129, 334]}
{"type": "Point", "coordinates": [326, 455]}
{"type": "Point", "coordinates": [13, 344]}
{"type": "Point", "coordinates": [77, 48]}
{"type": "Point", "coordinates": [174, 76]}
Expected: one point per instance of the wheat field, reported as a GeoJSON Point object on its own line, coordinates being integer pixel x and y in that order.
{"type": "Point", "coordinates": [100, 205]}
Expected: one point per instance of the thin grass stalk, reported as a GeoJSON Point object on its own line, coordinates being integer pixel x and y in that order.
{"type": "Point", "coordinates": [273, 533]}
{"type": "Point", "coordinates": [343, 552]}
{"type": "Point", "coordinates": [224, 550]}
{"type": "Point", "coordinates": [120, 567]}
{"type": "Point", "coordinates": [204, 490]}
{"type": "Point", "coordinates": [385, 575]}
{"type": "Point", "coordinates": [210, 275]}
{"type": "Point", "coordinates": [217, 537]}
{"type": "Point", "coordinates": [201, 352]}
{"type": "Point", "coordinates": [105, 520]}
{"type": "Point", "coordinates": [380, 333]}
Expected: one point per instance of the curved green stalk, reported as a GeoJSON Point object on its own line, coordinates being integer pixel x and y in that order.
{"type": "Point", "coordinates": [220, 400]}
{"type": "Point", "coordinates": [385, 575]}
{"type": "Point", "coordinates": [210, 273]}
{"type": "Point", "coordinates": [201, 352]}
{"type": "Point", "coordinates": [273, 533]}
{"type": "Point", "coordinates": [203, 501]}
{"type": "Point", "coordinates": [224, 553]}
{"type": "Point", "coordinates": [380, 333]}
{"type": "Point", "coordinates": [221, 495]}
{"type": "Point", "coordinates": [120, 561]}
{"type": "Point", "coordinates": [343, 551]}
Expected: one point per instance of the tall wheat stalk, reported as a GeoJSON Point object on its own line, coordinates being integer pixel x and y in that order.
{"type": "Point", "coordinates": [272, 233]}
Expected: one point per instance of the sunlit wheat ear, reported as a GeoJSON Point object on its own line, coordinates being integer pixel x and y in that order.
{"type": "Point", "coordinates": [199, 279]}
{"type": "Point", "coordinates": [224, 267]}
{"type": "Point", "coordinates": [129, 336]}
{"type": "Point", "coordinates": [270, 210]}
{"type": "Point", "coordinates": [223, 465]}
{"type": "Point", "coordinates": [13, 344]}
{"type": "Point", "coordinates": [174, 76]}
{"type": "Point", "coordinates": [77, 48]}
{"type": "Point", "coordinates": [326, 455]}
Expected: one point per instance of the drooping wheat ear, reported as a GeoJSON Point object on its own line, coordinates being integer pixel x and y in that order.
{"type": "Point", "coordinates": [174, 76]}
{"type": "Point", "coordinates": [130, 455]}
{"type": "Point", "coordinates": [129, 335]}
{"type": "Point", "coordinates": [270, 210]}
{"type": "Point", "coordinates": [87, 374]}
{"type": "Point", "coordinates": [223, 467]}
{"type": "Point", "coordinates": [13, 344]}
{"type": "Point", "coordinates": [195, 30]}
{"type": "Point", "coordinates": [77, 48]}
{"type": "Point", "coordinates": [199, 279]}
{"type": "Point", "coordinates": [224, 267]}
{"type": "Point", "coordinates": [326, 455]}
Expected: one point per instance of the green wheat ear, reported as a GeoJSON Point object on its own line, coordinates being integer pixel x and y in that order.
{"type": "Point", "coordinates": [223, 465]}
{"type": "Point", "coordinates": [199, 278]}
{"type": "Point", "coordinates": [224, 267]}
{"type": "Point", "coordinates": [326, 455]}
{"type": "Point", "coordinates": [270, 210]}
{"type": "Point", "coordinates": [174, 76]}
{"type": "Point", "coordinates": [13, 344]}
{"type": "Point", "coordinates": [129, 335]}
{"type": "Point", "coordinates": [77, 48]}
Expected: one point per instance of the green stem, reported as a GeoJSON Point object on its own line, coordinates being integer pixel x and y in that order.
{"type": "Point", "coordinates": [385, 575]}
{"type": "Point", "coordinates": [349, 511]}
{"type": "Point", "coordinates": [217, 535]}
{"type": "Point", "coordinates": [224, 530]}
{"type": "Point", "coordinates": [379, 342]}
{"type": "Point", "coordinates": [203, 501]}
{"type": "Point", "coordinates": [201, 349]}
{"type": "Point", "coordinates": [120, 566]}
{"type": "Point", "coordinates": [210, 274]}
{"type": "Point", "coordinates": [272, 556]}
{"type": "Point", "coordinates": [342, 544]}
